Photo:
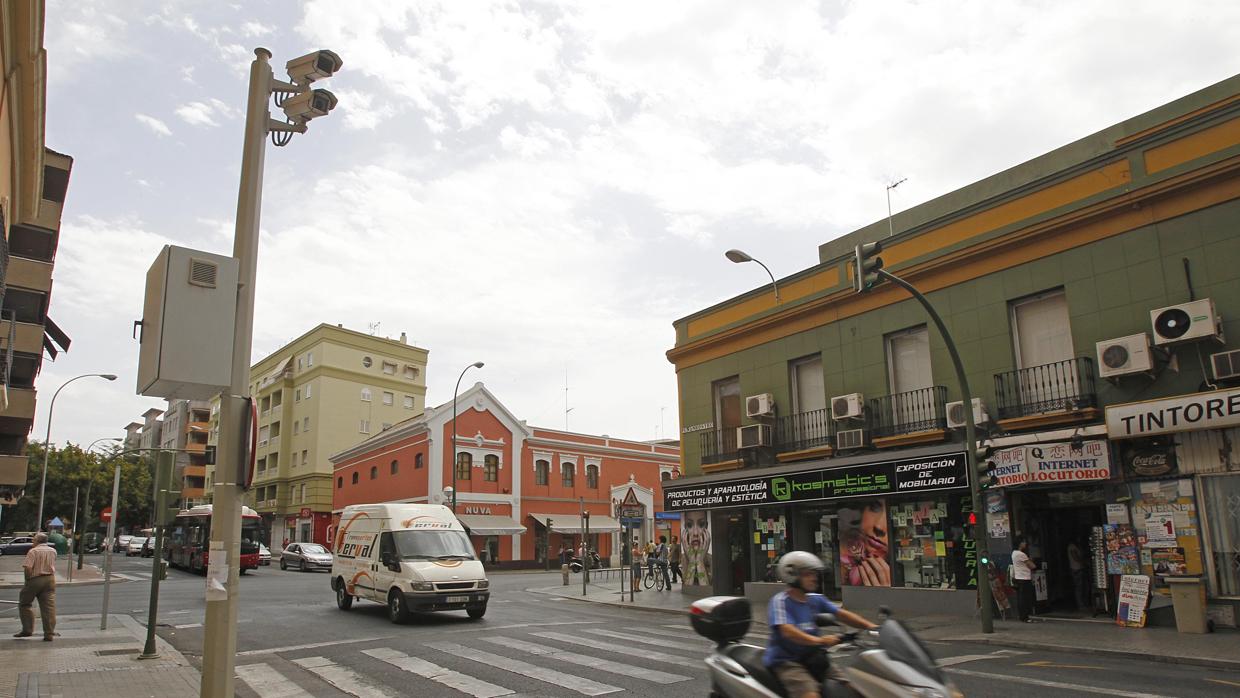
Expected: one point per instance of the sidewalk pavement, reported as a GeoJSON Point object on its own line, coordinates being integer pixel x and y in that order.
{"type": "Point", "coordinates": [11, 576]}
{"type": "Point", "coordinates": [87, 661]}
{"type": "Point", "coordinates": [1219, 650]}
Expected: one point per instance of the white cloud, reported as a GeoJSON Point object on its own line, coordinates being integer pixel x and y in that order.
{"type": "Point", "coordinates": [208, 113]}
{"type": "Point", "coordinates": [158, 127]}
{"type": "Point", "coordinates": [254, 29]}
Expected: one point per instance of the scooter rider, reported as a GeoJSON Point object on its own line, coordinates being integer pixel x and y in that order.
{"type": "Point", "coordinates": [794, 641]}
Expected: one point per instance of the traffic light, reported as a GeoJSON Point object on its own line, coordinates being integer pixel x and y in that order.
{"type": "Point", "coordinates": [986, 476]}
{"type": "Point", "coordinates": [867, 264]}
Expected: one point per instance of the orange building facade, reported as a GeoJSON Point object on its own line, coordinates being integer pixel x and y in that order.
{"type": "Point", "coordinates": [512, 479]}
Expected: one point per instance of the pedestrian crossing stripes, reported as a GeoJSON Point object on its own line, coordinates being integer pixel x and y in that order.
{"type": "Point", "coordinates": [539, 663]}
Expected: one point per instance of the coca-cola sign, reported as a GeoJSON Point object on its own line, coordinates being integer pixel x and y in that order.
{"type": "Point", "coordinates": [1150, 462]}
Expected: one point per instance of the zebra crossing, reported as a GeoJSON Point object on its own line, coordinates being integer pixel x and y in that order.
{"type": "Point", "coordinates": [587, 661]}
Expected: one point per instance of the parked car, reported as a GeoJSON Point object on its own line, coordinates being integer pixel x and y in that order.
{"type": "Point", "coordinates": [135, 546]}
{"type": "Point", "coordinates": [306, 556]}
{"type": "Point", "coordinates": [264, 554]}
{"type": "Point", "coordinates": [122, 543]}
{"type": "Point", "coordinates": [18, 546]}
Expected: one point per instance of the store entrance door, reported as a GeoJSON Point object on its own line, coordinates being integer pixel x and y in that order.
{"type": "Point", "coordinates": [1057, 525]}
{"type": "Point", "coordinates": [734, 570]}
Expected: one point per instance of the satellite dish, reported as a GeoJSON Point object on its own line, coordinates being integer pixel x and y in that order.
{"type": "Point", "coordinates": [1172, 323]}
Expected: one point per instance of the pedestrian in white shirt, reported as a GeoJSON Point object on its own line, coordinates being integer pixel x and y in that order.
{"type": "Point", "coordinates": [1022, 575]}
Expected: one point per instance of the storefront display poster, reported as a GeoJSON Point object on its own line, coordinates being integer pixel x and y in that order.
{"type": "Point", "coordinates": [695, 529]}
{"type": "Point", "coordinates": [1121, 547]}
{"type": "Point", "coordinates": [1117, 513]}
{"type": "Point", "coordinates": [1134, 595]}
{"type": "Point", "coordinates": [999, 525]}
{"type": "Point", "coordinates": [1159, 530]}
{"type": "Point", "coordinates": [863, 544]}
{"type": "Point", "coordinates": [1168, 561]}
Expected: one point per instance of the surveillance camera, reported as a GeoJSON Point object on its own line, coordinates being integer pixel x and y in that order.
{"type": "Point", "coordinates": [313, 66]}
{"type": "Point", "coordinates": [308, 105]}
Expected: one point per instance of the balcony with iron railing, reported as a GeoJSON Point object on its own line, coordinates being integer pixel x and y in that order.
{"type": "Point", "coordinates": [804, 435]}
{"type": "Point", "coordinates": [717, 448]}
{"type": "Point", "coordinates": [1062, 392]}
{"type": "Point", "coordinates": [914, 416]}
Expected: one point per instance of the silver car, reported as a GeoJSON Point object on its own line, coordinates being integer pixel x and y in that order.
{"type": "Point", "coordinates": [305, 556]}
{"type": "Point", "coordinates": [134, 546]}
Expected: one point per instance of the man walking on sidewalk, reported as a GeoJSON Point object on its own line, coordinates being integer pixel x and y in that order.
{"type": "Point", "coordinates": [40, 570]}
{"type": "Point", "coordinates": [1022, 574]}
{"type": "Point", "coordinates": [677, 552]}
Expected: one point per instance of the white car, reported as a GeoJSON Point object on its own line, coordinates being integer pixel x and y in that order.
{"type": "Point", "coordinates": [264, 555]}
{"type": "Point", "coordinates": [134, 546]}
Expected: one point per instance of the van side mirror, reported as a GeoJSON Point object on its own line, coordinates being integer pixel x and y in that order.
{"type": "Point", "coordinates": [389, 561]}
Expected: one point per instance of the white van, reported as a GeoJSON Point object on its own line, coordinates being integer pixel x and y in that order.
{"type": "Point", "coordinates": [411, 557]}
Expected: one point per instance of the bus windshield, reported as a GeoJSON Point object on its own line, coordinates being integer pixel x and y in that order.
{"type": "Point", "coordinates": [433, 545]}
{"type": "Point", "coordinates": [249, 536]}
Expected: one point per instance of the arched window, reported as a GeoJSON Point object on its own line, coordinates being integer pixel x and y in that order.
{"type": "Point", "coordinates": [665, 475]}
{"type": "Point", "coordinates": [542, 472]}
{"type": "Point", "coordinates": [464, 464]}
{"type": "Point", "coordinates": [490, 468]}
{"type": "Point", "coordinates": [365, 394]}
{"type": "Point", "coordinates": [417, 462]}
{"type": "Point", "coordinates": [374, 472]}
{"type": "Point", "coordinates": [354, 478]}
{"type": "Point", "coordinates": [566, 474]}
{"type": "Point", "coordinates": [339, 482]}
{"type": "Point", "coordinates": [592, 477]}
{"type": "Point", "coordinates": [395, 467]}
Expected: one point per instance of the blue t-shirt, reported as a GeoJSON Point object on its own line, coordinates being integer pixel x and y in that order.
{"type": "Point", "coordinates": [785, 610]}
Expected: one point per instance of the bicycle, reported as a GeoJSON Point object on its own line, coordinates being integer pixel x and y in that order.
{"type": "Point", "coordinates": [653, 577]}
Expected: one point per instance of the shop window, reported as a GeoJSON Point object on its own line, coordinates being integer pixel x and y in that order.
{"type": "Point", "coordinates": [490, 468]}
{"type": "Point", "coordinates": [464, 465]}
{"type": "Point", "coordinates": [592, 477]}
{"type": "Point", "coordinates": [1222, 501]}
{"type": "Point", "coordinates": [542, 471]}
{"type": "Point", "coordinates": [567, 470]}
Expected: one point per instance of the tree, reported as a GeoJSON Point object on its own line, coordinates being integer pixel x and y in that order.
{"type": "Point", "coordinates": [70, 467]}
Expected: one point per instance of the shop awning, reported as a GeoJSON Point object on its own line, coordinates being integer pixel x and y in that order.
{"type": "Point", "coordinates": [488, 525]}
{"type": "Point", "coordinates": [571, 523]}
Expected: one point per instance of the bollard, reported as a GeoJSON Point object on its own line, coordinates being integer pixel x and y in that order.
{"type": "Point", "coordinates": [163, 570]}
{"type": "Point", "coordinates": [564, 573]}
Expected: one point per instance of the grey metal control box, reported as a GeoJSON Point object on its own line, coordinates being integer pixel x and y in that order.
{"type": "Point", "coordinates": [188, 321]}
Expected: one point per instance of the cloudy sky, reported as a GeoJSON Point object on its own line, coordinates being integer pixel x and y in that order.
{"type": "Point", "coordinates": [546, 186]}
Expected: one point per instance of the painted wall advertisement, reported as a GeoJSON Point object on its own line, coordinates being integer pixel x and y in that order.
{"type": "Point", "coordinates": [1053, 463]}
{"type": "Point", "coordinates": [1134, 595]}
{"type": "Point", "coordinates": [1121, 547]}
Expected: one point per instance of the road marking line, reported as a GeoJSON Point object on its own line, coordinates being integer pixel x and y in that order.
{"type": "Point", "coordinates": [1047, 664]}
{"type": "Point", "coordinates": [187, 625]}
{"type": "Point", "coordinates": [1054, 684]}
{"type": "Point", "coordinates": [1224, 682]}
{"type": "Point", "coordinates": [453, 679]}
{"type": "Point", "coordinates": [525, 625]}
{"type": "Point", "coordinates": [345, 679]}
{"type": "Point", "coordinates": [686, 634]}
{"type": "Point", "coordinates": [570, 681]}
{"type": "Point", "coordinates": [952, 661]}
{"type": "Point", "coordinates": [617, 648]}
{"type": "Point", "coordinates": [269, 683]}
{"type": "Point", "coordinates": [636, 672]}
{"type": "Point", "coordinates": [311, 646]}
{"type": "Point", "coordinates": [657, 642]}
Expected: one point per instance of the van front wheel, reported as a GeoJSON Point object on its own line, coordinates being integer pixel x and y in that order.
{"type": "Point", "coordinates": [344, 600]}
{"type": "Point", "coordinates": [476, 612]}
{"type": "Point", "coordinates": [398, 612]}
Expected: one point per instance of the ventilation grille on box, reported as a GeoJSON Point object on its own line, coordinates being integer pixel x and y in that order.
{"type": "Point", "coordinates": [203, 273]}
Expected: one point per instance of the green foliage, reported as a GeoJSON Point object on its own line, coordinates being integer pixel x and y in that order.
{"type": "Point", "coordinates": [71, 467]}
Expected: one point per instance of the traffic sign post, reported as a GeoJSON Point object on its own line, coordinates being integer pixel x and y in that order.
{"type": "Point", "coordinates": [106, 515]}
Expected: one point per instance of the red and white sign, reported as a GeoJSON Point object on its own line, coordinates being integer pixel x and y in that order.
{"type": "Point", "coordinates": [105, 515]}
{"type": "Point", "coordinates": [306, 513]}
{"type": "Point", "coordinates": [1053, 463]}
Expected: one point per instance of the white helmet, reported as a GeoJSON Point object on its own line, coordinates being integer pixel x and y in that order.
{"type": "Point", "coordinates": [792, 564]}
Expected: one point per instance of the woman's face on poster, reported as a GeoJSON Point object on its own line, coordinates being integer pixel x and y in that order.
{"type": "Point", "coordinates": [697, 529]}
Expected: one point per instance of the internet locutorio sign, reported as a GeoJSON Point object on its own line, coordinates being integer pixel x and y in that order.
{"type": "Point", "coordinates": [911, 475]}
{"type": "Point", "coordinates": [1059, 462]}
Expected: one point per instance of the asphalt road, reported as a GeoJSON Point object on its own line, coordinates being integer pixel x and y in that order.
{"type": "Point", "coordinates": [293, 641]}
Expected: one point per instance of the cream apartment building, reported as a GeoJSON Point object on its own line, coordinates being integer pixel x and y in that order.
{"type": "Point", "coordinates": [321, 393]}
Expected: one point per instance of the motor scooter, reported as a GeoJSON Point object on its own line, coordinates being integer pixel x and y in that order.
{"type": "Point", "coordinates": [888, 663]}
{"type": "Point", "coordinates": [595, 562]}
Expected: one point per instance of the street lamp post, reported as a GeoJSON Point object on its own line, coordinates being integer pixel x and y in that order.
{"type": "Point", "coordinates": [738, 257]}
{"type": "Point", "coordinates": [47, 441]}
{"type": "Point", "coordinates": [476, 364]}
{"type": "Point", "coordinates": [300, 103]}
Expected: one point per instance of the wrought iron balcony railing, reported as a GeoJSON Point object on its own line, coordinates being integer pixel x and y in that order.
{"type": "Point", "coordinates": [717, 445]}
{"type": "Point", "coordinates": [909, 412]}
{"type": "Point", "coordinates": [804, 430]}
{"type": "Point", "coordinates": [1063, 386]}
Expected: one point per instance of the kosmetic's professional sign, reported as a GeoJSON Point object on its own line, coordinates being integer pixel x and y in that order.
{"type": "Point", "coordinates": [1213, 410]}
{"type": "Point", "coordinates": [910, 475]}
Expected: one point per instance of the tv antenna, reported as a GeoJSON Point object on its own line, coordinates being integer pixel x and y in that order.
{"type": "Point", "coordinates": [890, 230]}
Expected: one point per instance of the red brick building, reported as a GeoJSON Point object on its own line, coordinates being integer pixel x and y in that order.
{"type": "Point", "coordinates": [510, 478]}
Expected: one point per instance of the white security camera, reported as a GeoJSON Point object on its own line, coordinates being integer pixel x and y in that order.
{"type": "Point", "coordinates": [308, 105]}
{"type": "Point", "coordinates": [313, 66]}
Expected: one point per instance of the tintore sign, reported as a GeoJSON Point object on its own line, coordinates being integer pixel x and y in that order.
{"type": "Point", "coordinates": [911, 475]}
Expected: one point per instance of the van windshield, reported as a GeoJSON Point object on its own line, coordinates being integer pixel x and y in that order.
{"type": "Point", "coordinates": [433, 545]}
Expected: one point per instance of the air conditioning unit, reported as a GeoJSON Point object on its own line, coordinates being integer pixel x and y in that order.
{"type": "Point", "coordinates": [1124, 355]}
{"type": "Point", "coordinates": [753, 436]}
{"type": "Point", "coordinates": [847, 406]}
{"type": "Point", "coordinates": [760, 405]}
{"type": "Point", "coordinates": [850, 439]}
{"type": "Point", "coordinates": [1186, 322]}
{"type": "Point", "coordinates": [1226, 365]}
{"type": "Point", "coordinates": [955, 413]}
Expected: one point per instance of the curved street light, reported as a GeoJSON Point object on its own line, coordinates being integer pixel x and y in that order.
{"type": "Point", "coordinates": [47, 440]}
{"type": "Point", "coordinates": [455, 458]}
{"type": "Point", "coordinates": [739, 257]}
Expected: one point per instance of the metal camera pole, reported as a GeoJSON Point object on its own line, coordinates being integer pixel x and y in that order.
{"type": "Point", "coordinates": [107, 560]}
